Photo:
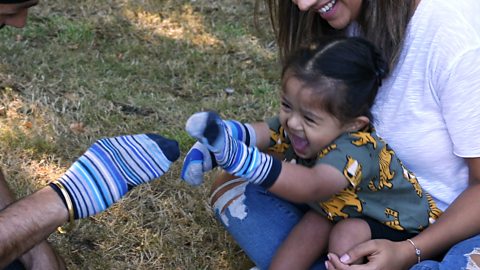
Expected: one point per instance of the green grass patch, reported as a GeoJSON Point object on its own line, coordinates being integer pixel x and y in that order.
{"type": "Point", "coordinates": [89, 69]}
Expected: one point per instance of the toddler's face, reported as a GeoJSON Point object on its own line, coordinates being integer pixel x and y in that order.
{"type": "Point", "coordinates": [309, 128]}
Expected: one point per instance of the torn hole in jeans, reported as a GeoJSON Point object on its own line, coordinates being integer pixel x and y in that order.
{"type": "Point", "coordinates": [233, 201]}
{"type": "Point", "coordinates": [473, 259]}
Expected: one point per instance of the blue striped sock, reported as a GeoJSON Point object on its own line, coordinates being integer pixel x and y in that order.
{"type": "Point", "coordinates": [241, 131]}
{"type": "Point", "coordinates": [112, 166]}
{"type": "Point", "coordinates": [200, 160]}
{"type": "Point", "coordinates": [231, 154]}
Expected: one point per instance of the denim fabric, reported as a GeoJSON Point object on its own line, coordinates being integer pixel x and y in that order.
{"type": "Point", "coordinates": [259, 221]}
{"type": "Point", "coordinates": [456, 258]}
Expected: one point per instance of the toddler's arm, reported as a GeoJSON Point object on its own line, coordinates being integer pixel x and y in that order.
{"type": "Point", "coordinates": [200, 160]}
{"type": "Point", "coordinates": [290, 181]}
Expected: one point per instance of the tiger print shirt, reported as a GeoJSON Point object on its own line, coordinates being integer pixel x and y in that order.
{"type": "Point", "coordinates": [380, 185]}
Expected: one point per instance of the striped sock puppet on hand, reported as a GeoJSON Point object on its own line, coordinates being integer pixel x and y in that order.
{"type": "Point", "coordinates": [111, 167]}
{"type": "Point", "coordinates": [231, 154]}
{"type": "Point", "coordinates": [200, 160]}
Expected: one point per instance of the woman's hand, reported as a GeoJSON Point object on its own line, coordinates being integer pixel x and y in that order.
{"type": "Point", "coordinates": [380, 254]}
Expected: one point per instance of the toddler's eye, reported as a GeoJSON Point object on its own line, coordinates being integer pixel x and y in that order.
{"type": "Point", "coordinates": [309, 119]}
{"type": "Point", "coordinates": [285, 105]}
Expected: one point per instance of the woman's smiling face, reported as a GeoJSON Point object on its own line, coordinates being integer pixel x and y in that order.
{"type": "Point", "coordinates": [338, 13]}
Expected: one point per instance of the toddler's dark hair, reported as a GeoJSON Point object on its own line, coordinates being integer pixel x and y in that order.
{"type": "Point", "coordinates": [344, 73]}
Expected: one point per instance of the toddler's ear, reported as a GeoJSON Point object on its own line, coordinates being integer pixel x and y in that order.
{"type": "Point", "coordinates": [358, 123]}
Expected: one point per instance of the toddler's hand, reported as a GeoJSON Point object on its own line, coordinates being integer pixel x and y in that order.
{"type": "Point", "coordinates": [197, 162]}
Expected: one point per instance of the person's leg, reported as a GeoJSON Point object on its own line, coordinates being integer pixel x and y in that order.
{"type": "Point", "coordinates": [348, 233]}
{"type": "Point", "coordinates": [41, 256]}
{"type": "Point", "coordinates": [463, 255]}
{"type": "Point", "coordinates": [306, 242]}
{"type": "Point", "coordinates": [426, 265]}
{"type": "Point", "coordinates": [258, 220]}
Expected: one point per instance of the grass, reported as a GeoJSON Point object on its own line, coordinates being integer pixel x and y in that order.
{"type": "Point", "coordinates": [84, 70]}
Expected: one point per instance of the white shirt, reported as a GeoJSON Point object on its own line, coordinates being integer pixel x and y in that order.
{"type": "Point", "coordinates": [428, 109]}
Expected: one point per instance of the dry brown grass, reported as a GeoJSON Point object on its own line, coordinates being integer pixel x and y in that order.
{"type": "Point", "coordinates": [83, 70]}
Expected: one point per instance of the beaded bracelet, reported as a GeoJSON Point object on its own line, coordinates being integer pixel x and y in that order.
{"type": "Point", "coordinates": [68, 200]}
{"type": "Point", "coordinates": [417, 250]}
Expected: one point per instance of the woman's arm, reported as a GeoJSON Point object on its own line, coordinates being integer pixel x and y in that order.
{"type": "Point", "coordinates": [459, 220]}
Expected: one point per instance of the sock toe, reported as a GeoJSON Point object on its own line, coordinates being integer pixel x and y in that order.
{"type": "Point", "coordinates": [212, 130]}
{"type": "Point", "coordinates": [169, 147]}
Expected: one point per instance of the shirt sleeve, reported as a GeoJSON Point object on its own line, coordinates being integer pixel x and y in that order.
{"type": "Point", "coordinates": [460, 103]}
{"type": "Point", "coordinates": [354, 162]}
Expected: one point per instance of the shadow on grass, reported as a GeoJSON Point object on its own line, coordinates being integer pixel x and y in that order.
{"type": "Point", "coordinates": [91, 69]}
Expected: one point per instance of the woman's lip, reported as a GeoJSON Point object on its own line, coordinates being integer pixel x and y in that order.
{"type": "Point", "coordinates": [330, 15]}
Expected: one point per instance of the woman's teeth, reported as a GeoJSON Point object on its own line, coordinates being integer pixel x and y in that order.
{"type": "Point", "coordinates": [327, 7]}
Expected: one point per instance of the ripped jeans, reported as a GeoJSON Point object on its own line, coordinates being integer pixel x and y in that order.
{"type": "Point", "coordinates": [458, 257]}
{"type": "Point", "coordinates": [258, 220]}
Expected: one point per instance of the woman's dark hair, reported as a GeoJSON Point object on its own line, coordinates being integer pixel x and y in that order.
{"type": "Point", "coordinates": [344, 73]}
{"type": "Point", "coordinates": [382, 22]}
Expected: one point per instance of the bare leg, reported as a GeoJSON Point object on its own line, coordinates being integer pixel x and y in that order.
{"type": "Point", "coordinates": [305, 243]}
{"type": "Point", "coordinates": [38, 256]}
{"type": "Point", "coordinates": [221, 179]}
{"type": "Point", "coordinates": [348, 233]}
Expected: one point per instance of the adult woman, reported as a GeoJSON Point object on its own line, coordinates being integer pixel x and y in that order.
{"type": "Point", "coordinates": [425, 110]}
{"type": "Point", "coordinates": [422, 99]}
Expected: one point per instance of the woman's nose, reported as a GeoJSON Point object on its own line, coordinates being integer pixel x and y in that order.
{"type": "Point", "coordinates": [305, 5]}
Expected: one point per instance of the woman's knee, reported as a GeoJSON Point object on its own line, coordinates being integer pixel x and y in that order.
{"type": "Point", "coordinates": [222, 183]}
{"type": "Point", "coordinates": [226, 189]}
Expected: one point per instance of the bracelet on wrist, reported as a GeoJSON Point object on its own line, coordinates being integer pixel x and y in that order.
{"type": "Point", "coordinates": [69, 204]}
{"type": "Point", "coordinates": [418, 252]}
